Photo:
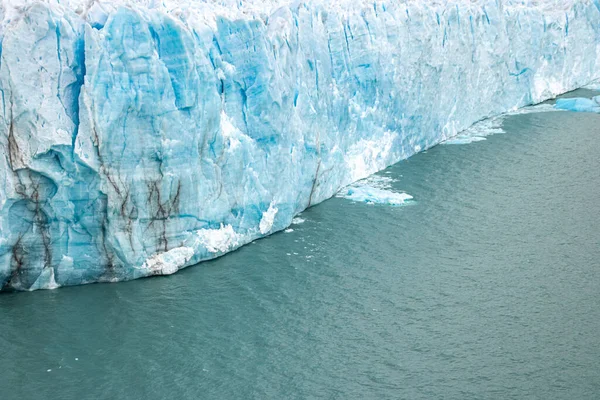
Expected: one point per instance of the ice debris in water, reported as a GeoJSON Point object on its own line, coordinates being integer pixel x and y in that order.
{"type": "Point", "coordinates": [139, 137]}
{"type": "Point", "coordinates": [464, 138]}
{"type": "Point", "coordinates": [375, 190]}
{"type": "Point", "coordinates": [579, 104]}
{"type": "Point", "coordinates": [491, 126]}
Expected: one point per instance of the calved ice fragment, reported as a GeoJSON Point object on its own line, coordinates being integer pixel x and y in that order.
{"type": "Point", "coordinates": [375, 190]}
{"type": "Point", "coordinates": [140, 137]}
{"type": "Point", "coordinates": [579, 104]}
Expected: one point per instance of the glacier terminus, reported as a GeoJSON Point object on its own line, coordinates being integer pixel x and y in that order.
{"type": "Point", "coordinates": [141, 137]}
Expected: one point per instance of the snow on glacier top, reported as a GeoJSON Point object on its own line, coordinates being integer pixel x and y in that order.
{"type": "Point", "coordinates": [207, 11]}
{"type": "Point", "coordinates": [9, 9]}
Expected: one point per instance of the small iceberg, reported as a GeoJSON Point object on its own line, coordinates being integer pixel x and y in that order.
{"type": "Point", "coordinates": [465, 139]}
{"type": "Point", "coordinates": [375, 190]}
{"type": "Point", "coordinates": [579, 104]}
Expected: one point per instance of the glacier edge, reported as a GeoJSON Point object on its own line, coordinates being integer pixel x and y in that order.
{"type": "Point", "coordinates": [139, 140]}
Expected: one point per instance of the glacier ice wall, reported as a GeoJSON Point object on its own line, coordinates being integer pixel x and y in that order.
{"type": "Point", "coordinates": [137, 139]}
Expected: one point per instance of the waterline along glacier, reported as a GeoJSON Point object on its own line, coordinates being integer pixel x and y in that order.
{"type": "Point", "coordinates": [141, 137]}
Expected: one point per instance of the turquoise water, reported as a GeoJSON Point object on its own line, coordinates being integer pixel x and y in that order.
{"type": "Point", "coordinates": [487, 285]}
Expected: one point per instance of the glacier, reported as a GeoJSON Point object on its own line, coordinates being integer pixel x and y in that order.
{"type": "Point", "coordinates": [141, 137]}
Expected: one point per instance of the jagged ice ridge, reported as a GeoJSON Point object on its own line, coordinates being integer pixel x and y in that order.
{"type": "Point", "coordinates": [138, 138]}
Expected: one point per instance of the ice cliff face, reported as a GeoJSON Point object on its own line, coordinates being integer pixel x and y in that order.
{"type": "Point", "coordinates": [142, 138]}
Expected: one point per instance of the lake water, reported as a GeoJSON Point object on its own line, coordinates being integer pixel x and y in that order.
{"type": "Point", "coordinates": [485, 285]}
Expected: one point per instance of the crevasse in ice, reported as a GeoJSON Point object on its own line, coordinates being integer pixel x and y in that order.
{"type": "Point", "coordinates": [141, 137]}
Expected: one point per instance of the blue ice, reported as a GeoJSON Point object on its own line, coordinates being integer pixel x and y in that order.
{"type": "Point", "coordinates": [138, 140]}
{"type": "Point", "coordinates": [579, 104]}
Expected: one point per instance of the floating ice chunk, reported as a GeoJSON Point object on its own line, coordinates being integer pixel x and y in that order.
{"type": "Point", "coordinates": [464, 139]}
{"type": "Point", "coordinates": [373, 195]}
{"type": "Point", "coordinates": [374, 190]}
{"type": "Point", "coordinates": [298, 221]}
{"type": "Point", "coordinates": [579, 104]}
